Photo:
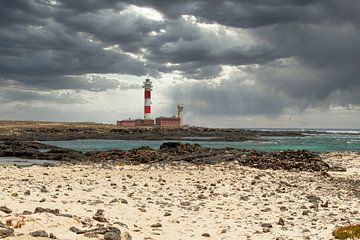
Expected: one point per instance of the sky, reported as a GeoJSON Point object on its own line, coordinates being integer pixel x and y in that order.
{"type": "Point", "coordinates": [233, 63]}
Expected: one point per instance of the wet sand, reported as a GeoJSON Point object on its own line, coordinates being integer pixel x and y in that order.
{"type": "Point", "coordinates": [181, 201]}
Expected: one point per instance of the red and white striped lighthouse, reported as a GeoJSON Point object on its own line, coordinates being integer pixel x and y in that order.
{"type": "Point", "coordinates": [147, 94]}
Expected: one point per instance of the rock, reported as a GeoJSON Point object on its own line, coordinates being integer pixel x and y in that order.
{"type": "Point", "coordinates": [325, 204]}
{"type": "Point", "coordinates": [266, 210]}
{"type": "Point", "coordinates": [47, 210]}
{"type": "Point", "coordinates": [167, 214]}
{"type": "Point", "coordinates": [266, 225]}
{"type": "Point", "coordinates": [283, 208]}
{"type": "Point", "coordinates": [99, 212]}
{"type": "Point", "coordinates": [156, 225]}
{"type": "Point", "coordinates": [185, 204]}
{"type": "Point", "coordinates": [43, 189]}
{"type": "Point", "coordinates": [202, 197]}
{"type": "Point", "coordinates": [99, 216]}
{"type": "Point", "coordinates": [313, 199]}
{"type": "Point", "coordinates": [5, 209]}
{"type": "Point", "coordinates": [281, 222]}
{"type": "Point", "coordinates": [112, 236]}
{"type": "Point", "coordinates": [142, 209]}
{"type": "Point", "coordinates": [306, 212]}
{"type": "Point", "coordinates": [6, 232]}
{"type": "Point", "coordinates": [27, 192]}
{"type": "Point", "coordinates": [125, 236]}
{"type": "Point", "coordinates": [14, 194]}
{"type": "Point", "coordinates": [42, 200]}
{"type": "Point", "coordinates": [39, 233]}
{"type": "Point", "coordinates": [205, 235]}
{"type": "Point", "coordinates": [124, 201]}
{"type": "Point", "coordinates": [76, 230]}
{"type": "Point", "coordinates": [52, 236]}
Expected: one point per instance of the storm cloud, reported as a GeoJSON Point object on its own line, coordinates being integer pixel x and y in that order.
{"type": "Point", "coordinates": [220, 58]}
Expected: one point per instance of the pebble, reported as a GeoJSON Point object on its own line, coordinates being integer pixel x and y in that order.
{"type": "Point", "coordinates": [281, 222]}
{"type": "Point", "coordinates": [266, 225]}
{"type": "Point", "coordinates": [156, 225]}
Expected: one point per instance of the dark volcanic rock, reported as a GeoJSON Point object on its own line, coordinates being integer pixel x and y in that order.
{"type": "Point", "coordinates": [112, 236]}
{"type": "Point", "coordinates": [98, 131]}
{"type": "Point", "coordinates": [5, 209]}
{"type": "Point", "coordinates": [99, 216]}
{"type": "Point", "coordinates": [47, 210]}
{"type": "Point", "coordinates": [76, 230]}
{"type": "Point", "coordinates": [6, 232]}
{"type": "Point", "coordinates": [291, 160]}
{"type": "Point", "coordinates": [35, 150]}
{"type": "Point", "coordinates": [39, 233]}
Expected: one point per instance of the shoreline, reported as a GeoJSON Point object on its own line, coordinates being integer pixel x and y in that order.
{"type": "Point", "coordinates": [47, 131]}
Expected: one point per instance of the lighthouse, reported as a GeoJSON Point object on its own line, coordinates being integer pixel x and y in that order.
{"type": "Point", "coordinates": [147, 98]}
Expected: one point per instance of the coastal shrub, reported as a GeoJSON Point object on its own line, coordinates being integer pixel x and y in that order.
{"type": "Point", "coordinates": [347, 232]}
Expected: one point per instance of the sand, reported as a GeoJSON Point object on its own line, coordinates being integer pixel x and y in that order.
{"type": "Point", "coordinates": [183, 201]}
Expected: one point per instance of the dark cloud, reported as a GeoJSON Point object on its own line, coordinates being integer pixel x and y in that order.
{"type": "Point", "coordinates": [297, 54]}
{"type": "Point", "coordinates": [229, 98]}
{"type": "Point", "coordinates": [28, 96]}
{"type": "Point", "coordinates": [244, 13]}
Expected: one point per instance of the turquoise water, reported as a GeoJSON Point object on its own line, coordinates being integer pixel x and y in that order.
{"type": "Point", "coordinates": [318, 143]}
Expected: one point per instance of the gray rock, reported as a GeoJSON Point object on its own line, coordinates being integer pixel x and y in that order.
{"type": "Point", "coordinates": [281, 222]}
{"type": "Point", "coordinates": [99, 216]}
{"type": "Point", "coordinates": [283, 208]}
{"type": "Point", "coordinates": [185, 204]}
{"type": "Point", "coordinates": [47, 210]}
{"type": "Point", "coordinates": [6, 232]}
{"type": "Point", "coordinates": [205, 235]}
{"type": "Point", "coordinates": [112, 236]}
{"type": "Point", "coordinates": [156, 225]}
{"type": "Point", "coordinates": [266, 225]}
{"type": "Point", "coordinates": [313, 199]}
{"type": "Point", "coordinates": [43, 189]}
{"type": "Point", "coordinates": [76, 230]}
{"type": "Point", "coordinates": [202, 197]}
{"type": "Point", "coordinates": [52, 236]}
{"type": "Point", "coordinates": [5, 210]}
{"type": "Point", "coordinates": [39, 233]}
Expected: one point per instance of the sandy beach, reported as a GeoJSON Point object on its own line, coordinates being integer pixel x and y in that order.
{"type": "Point", "coordinates": [179, 201]}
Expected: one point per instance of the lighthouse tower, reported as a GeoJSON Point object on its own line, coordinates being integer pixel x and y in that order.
{"type": "Point", "coordinates": [147, 94]}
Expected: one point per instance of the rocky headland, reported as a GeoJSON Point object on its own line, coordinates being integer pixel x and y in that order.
{"type": "Point", "coordinates": [41, 131]}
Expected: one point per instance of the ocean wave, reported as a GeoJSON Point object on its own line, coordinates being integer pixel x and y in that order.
{"type": "Point", "coordinates": [343, 131]}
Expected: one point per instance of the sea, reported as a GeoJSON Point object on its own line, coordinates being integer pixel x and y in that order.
{"type": "Point", "coordinates": [322, 140]}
